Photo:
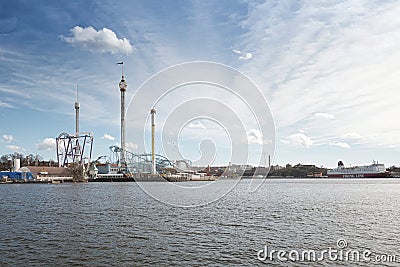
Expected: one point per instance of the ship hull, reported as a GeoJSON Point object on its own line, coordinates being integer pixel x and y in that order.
{"type": "Point", "coordinates": [359, 175]}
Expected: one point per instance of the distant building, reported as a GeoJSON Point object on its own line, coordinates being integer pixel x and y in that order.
{"type": "Point", "coordinates": [315, 174]}
{"type": "Point", "coordinates": [303, 166]}
{"type": "Point", "coordinates": [276, 168]}
{"type": "Point", "coordinates": [109, 168]}
{"type": "Point", "coordinates": [15, 175]}
{"type": "Point", "coordinates": [43, 171]}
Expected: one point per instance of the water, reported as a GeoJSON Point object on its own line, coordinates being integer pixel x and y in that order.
{"type": "Point", "coordinates": [117, 224]}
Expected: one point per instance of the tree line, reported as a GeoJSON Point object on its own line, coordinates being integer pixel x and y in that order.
{"type": "Point", "coordinates": [6, 161]}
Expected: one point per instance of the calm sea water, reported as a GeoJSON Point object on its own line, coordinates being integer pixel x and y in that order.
{"type": "Point", "coordinates": [117, 224]}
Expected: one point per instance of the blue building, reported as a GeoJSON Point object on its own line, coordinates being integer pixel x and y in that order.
{"type": "Point", "coordinates": [5, 175]}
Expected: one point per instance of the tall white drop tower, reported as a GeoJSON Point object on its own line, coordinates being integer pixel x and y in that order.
{"type": "Point", "coordinates": [122, 86]}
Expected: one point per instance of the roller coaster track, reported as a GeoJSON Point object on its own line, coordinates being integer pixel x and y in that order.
{"type": "Point", "coordinates": [141, 163]}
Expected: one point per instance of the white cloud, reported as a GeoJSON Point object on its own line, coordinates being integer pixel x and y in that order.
{"type": "Point", "coordinates": [130, 146]}
{"type": "Point", "coordinates": [196, 125]}
{"type": "Point", "coordinates": [320, 62]}
{"type": "Point", "coordinates": [47, 144]}
{"type": "Point", "coordinates": [7, 138]}
{"type": "Point", "coordinates": [15, 148]}
{"type": "Point", "coordinates": [324, 115]}
{"type": "Point", "coordinates": [14, 92]}
{"type": "Point", "coordinates": [104, 40]}
{"type": "Point", "coordinates": [255, 136]}
{"type": "Point", "coordinates": [246, 56]}
{"type": "Point", "coordinates": [237, 51]}
{"type": "Point", "coordinates": [340, 144]}
{"type": "Point", "coordinates": [352, 135]}
{"type": "Point", "coordinates": [108, 137]}
{"type": "Point", "coordinates": [243, 55]}
{"type": "Point", "coordinates": [6, 105]}
{"type": "Point", "coordinates": [298, 139]}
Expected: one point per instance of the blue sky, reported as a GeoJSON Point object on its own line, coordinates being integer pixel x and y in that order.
{"type": "Point", "coordinates": [330, 70]}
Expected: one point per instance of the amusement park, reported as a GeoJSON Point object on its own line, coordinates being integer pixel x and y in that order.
{"type": "Point", "coordinates": [74, 153]}
{"type": "Point", "coordinates": [76, 163]}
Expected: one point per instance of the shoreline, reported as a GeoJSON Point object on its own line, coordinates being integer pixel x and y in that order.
{"type": "Point", "coordinates": [155, 179]}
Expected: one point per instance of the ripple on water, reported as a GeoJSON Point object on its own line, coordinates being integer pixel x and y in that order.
{"type": "Point", "coordinates": [116, 224]}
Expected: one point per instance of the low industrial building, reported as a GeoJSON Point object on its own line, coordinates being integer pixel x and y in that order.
{"type": "Point", "coordinates": [47, 173]}
{"type": "Point", "coordinates": [15, 176]}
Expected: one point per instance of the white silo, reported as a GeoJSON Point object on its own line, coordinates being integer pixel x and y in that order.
{"type": "Point", "coordinates": [16, 164]}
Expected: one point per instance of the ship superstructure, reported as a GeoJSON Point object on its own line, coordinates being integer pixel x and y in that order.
{"type": "Point", "coordinates": [375, 170]}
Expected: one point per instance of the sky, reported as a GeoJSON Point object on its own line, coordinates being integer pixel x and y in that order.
{"type": "Point", "coordinates": [329, 72]}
